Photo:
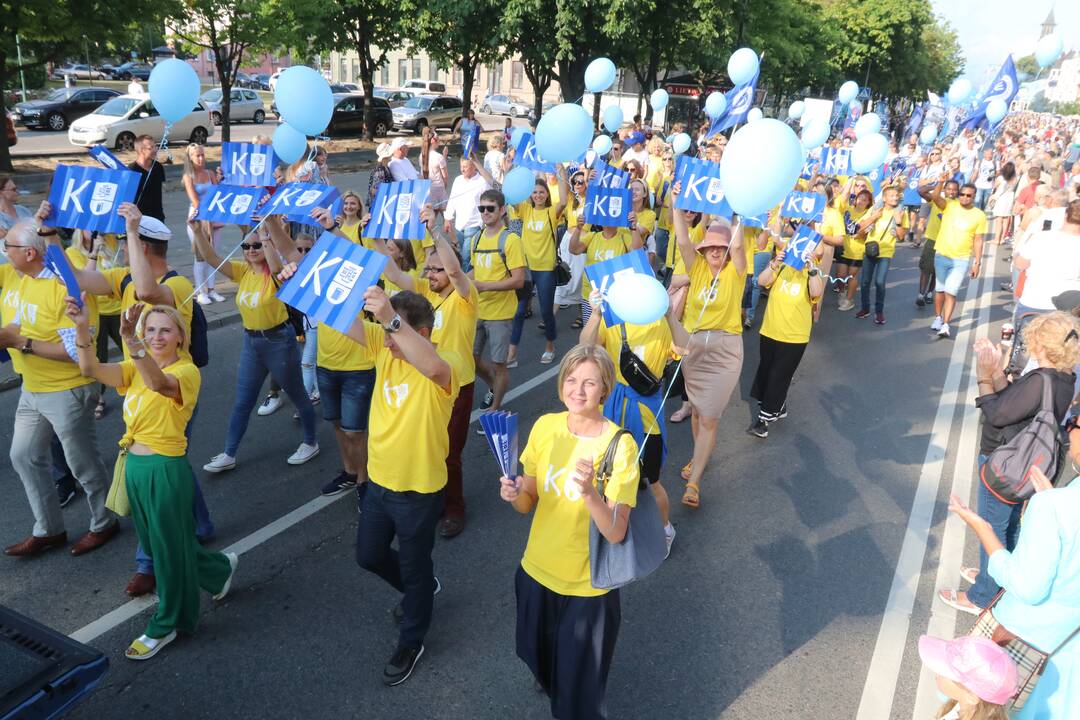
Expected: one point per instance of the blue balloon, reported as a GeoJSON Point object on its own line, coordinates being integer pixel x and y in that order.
{"type": "Point", "coordinates": [928, 134]}
{"type": "Point", "coordinates": [658, 99]}
{"type": "Point", "coordinates": [564, 133]}
{"type": "Point", "coordinates": [715, 104]}
{"type": "Point", "coordinates": [613, 117]}
{"type": "Point", "coordinates": [816, 133]}
{"type": "Point", "coordinates": [515, 136]}
{"type": "Point", "coordinates": [848, 91]}
{"type": "Point", "coordinates": [174, 89]}
{"type": "Point", "coordinates": [637, 298]}
{"type": "Point", "coordinates": [959, 91]}
{"type": "Point", "coordinates": [760, 166]}
{"type": "Point", "coordinates": [518, 185]}
{"type": "Point", "coordinates": [599, 75]}
{"type": "Point", "coordinates": [868, 124]}
{"type": "Point", "coordinates": [754, 115]}
{"type": "Point", "coordinates": [869, 152]}
{"type": "Point", "coordinates": [601, 144]}
{"type": "Point", "coordinates": [742, 66]}
{"type": "Point", "coordinates": [796, 109]}
{"type": "Point", "coordinates": [289, 143]}
{"type": "Point", "coordinates": [1048, 51]}
{"type": "Point", "coordinates": [996, 109]}
{"type": "Point", "coordinates": [304, 99]}
{"type": "Point", "coordinates": [680, 143]}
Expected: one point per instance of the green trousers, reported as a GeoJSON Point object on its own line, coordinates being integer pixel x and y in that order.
{"type": "Point", "coordinates": [161, 490]}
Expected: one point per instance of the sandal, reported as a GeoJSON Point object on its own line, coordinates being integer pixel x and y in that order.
{"type": "Point", "coordinates": [145, 647]}
{"type": "Point", "coordinates": [692, 495]}
{"type": "Point", "coordinates": [681, 414]}
{"type": "Point", "coordinates": [687, 469]}
{"type": "Point", "coordinates": [99, 411]}
{"type": "Point", "coordinates": [577, 324]}
{"type": "Point", "coordinates": [952, 599]}
{"type": "Point", "coordinates": [970, 574]}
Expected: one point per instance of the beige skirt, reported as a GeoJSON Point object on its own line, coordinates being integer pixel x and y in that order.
{"type": "Point", "coordinates": [711, 370]}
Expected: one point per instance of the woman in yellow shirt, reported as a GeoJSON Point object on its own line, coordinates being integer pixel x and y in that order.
{"type": "Point", "coordinates": [597, 245]}
{"type": "Point", "coordinates": [847, 264]}
{"type": "Point", "coordinates": [269, 345]}
{"type": "Point", "coordinates": [566, 628]}
{"type": "Point", "coordinates": [160, 394]}
{"type": "Point", "coordinates": [570, 293]}
{"type": "Point", "coordinates": [352, 210]}
{"type": "Point", "coordinates": [884, 226]}
{"type": "Point", "coordinates": [644, 216]}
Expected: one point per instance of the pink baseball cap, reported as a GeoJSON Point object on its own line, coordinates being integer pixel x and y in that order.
{"type": "Point", "coordinates": [977, 663]}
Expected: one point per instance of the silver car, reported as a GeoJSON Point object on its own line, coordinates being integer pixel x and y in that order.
{"type": "Point", "coordinates": [436, 111]}
{"type": "Point", "coordinates": [244, 105]}
{"type": "Point", "coordinates": [505, 105]}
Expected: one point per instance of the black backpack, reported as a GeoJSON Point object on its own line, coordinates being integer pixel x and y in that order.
{"type": "Point", "coordinates": [198, 344]}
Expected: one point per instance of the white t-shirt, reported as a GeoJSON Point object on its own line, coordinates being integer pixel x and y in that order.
{"type": "Point", "coordinates": [642, 156]}
{"type": "Point", "coordinates": [464, 197]}
{"type": "Point", "coordinates": [984, 179]}
{"type": "Point", "coordinates": [1055, 267]}
{"type": "Point", "coordinates": [493, 160]}
{"type": "Point", "coordinates": [401, 170]}
{"type": "Point", "coordinates": [968, 156]}
{"type": "Point", "coordinates": [437, 171]}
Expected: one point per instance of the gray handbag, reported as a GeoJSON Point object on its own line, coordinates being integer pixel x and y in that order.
{"type": "Point", "coordinates": [612, 565]}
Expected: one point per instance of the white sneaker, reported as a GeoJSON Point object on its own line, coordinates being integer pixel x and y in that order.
{"type": "Point", "coordinates": [216, 296]}
{"type": "Point", "coordinates": [936, 325]}
{"type": "Point", "coordinates": [203, 299]}
{"type": "Point", "coordinates": [303, 453]}
{"type": "Point", "coordinates": [944, 331]}
{"type": "Point", "coordinates": [270, 405]}
{"type": "Point", "coordinates": [220, 463]}
{"type": "Point", "coordinates": [845, 305]}
{"type": "Point", "coordinates": [669, 536]}
{"type": "Point", "coordinates": [234, 561]}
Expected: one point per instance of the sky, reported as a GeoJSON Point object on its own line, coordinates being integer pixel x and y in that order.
{"type": "Point", "coordinates": [990, 29]}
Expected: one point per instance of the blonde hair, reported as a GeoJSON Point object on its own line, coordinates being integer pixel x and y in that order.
{"type": "Point", "coordinates": [189, 166]}
{"type": "Point", "coordinates": [983, 711]}
{"type": "Point", "coordinates": [584, 353]}
{"type": "Point", "coordinates": [1057, 335]}
{"type": "Point", "coordinates": [173, 315]}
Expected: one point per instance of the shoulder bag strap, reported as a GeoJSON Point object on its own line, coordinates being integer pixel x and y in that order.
{"type": "Point", "coordinates": [1048, 393]}
{"type": "Point", "coordinates": [1063, 643]}
{"type": "Point", "coordinates": [607, 464]}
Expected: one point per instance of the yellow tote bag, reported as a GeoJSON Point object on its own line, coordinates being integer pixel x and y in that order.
{"type": "Point", "coordinates": [117, 500]}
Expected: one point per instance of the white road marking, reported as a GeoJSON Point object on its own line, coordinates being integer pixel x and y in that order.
{"type": "Point", "coordinates": [883, 673]}
{"type": "Point", "coordinates": [130, 609]}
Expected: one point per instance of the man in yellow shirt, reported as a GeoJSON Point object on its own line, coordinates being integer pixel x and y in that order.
{"type": "Point", "coordinates": [407, 447]}
{"type": "Point", "coordinates": [54, 394]}
{"type": "Point", "coordinates": [498, 269]}
{"type": "Point", "coordinates": [927, 256]}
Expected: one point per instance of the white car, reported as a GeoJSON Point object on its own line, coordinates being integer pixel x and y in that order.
{"type": "Point", "coordinates": [244, 105]}
{"type": "Point", "coordinates": [426, 86]}
{"type": "Point", "coordinates": [118, 122]}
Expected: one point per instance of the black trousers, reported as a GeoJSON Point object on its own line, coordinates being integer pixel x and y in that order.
{"type": "Point", "coordinates": [777, 365]}
{"type": "Point", "coordinates": [568, 642]}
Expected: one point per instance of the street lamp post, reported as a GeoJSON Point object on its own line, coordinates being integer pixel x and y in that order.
{"type": "Point", "coordinates": [89, 69]}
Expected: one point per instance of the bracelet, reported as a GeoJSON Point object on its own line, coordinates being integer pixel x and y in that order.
{"type": "Point", "coordinates": [987, 381]}
{"type": "Point", "coordinates": [84, 347]}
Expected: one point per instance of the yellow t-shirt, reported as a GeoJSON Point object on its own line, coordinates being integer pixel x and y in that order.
{"type": "Point", "coordinates": [933, 224]}
{"type": "Point", "coordinates": [182, 290]}
{"type": "Point", "coordinates": [256, 298]}
{"type": "Point", "coordinates": [832, 223]}
{"type": "Point", "coordinates": [789, 312]}
{"type": "Point", "coordinates": [854, 247]}
{"type": "Point", "coordinates": [392, 289]}
{"type": "Point", "coordinates": [488, 266]}
{"type": "Point", "coordinates": [646, 220]}
{"type": "Point", "coordinates": [959, 226]}
{"type": "Point", "coordinates": [538, 235]}
{"type": "Point", "coordinates": [106, 305]}
{"type": "Point", "coordinates": [723, 311]}
{"type": "Point", "coordinates": [154, 420]}
{"type": "Point", "coordinates": [41, 316]}
{"type": "Point", "coordinates": [557, 553]}
{"type": "Point", "coordinates": [9, 307]}
{"type": "Point", "coordinates": [674, 257]}
{"type": "Point", "coordinates": [352, 232]}
{"type": "Point", "coordinates": [455, 327]}
{"type": "Point", "coordinates": [599, 248]}
{"type": "Point", "coordinates": [652, 343]}
{"type": "Point", "coordinates": [662, 202]}
{"type": "Point", "coordinates": [883, 231]}
{"type": "Point", "coordinates": [407, 438]}
{"type": "Point", "coordinates": [340, 352]}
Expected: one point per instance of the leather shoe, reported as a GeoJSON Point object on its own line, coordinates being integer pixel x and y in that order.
{"type": "Point", "coordinates": [451, 526]}
{"type": "Point", "coordinates": [93, 540]}
{"type": "Point", "coordinates": [34, 545]}
{"type": "Point", "coordinates": [141, 584]}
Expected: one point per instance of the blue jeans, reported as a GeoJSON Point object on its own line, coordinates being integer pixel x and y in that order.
{"type": "Point", "coordinates": [874, 270]}
{"type": "Point", "coordinates": [466, 247]}
{"type": "Point", "coordinates": [277, 354]}
{"type": "Point", "coordinates": [661, 236]}
{"type": "Point", "coordinates": [752, 291]}
{"type": "Point", "coordinates": [981, 196]}
{"type": "Point", "coordinates": [1005, 520]}
{"type": "Point", "coordinates": [307, 360]}
{"type": "Point", "coordinates": [412, 517]}
{"type": "Point", "coordinates": [544, 282]}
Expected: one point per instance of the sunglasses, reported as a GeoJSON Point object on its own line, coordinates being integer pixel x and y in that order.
{"type": "Point", "coordinates": [487, 208]}
{"type": "Point", "coordinates": [430, 270]}
{"type": "Point", "coordinates": [967, 195]}
{"type": "Point", "coordinates": [578, 181]}
{"type": "Point", "coordinates": [251, 246]}
{"type": "Point", "coordinates": [303, 250]}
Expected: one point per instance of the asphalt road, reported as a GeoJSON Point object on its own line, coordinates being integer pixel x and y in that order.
{"type": "Point", "coordinates": [769, 606]}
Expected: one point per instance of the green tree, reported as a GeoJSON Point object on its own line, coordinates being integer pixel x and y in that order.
{"type": "Point", "coordinates": [528, 26]}
{"type": "Point", "coordinates": [1027, 65]}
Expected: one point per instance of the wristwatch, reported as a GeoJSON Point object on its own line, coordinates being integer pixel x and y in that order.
{"type": "Point", "coordinates": [138, 354]}
{"type": "Point", "coordinates": [394, 325]}
{"type": "Point", "coordinates": [813, 272]}
{"type": "Point", "coordinates": [28, 348]}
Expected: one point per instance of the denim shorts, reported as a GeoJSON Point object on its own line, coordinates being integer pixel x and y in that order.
{"type": "Point", "coordinates": [346, 397]}
{"type": "Point", "coordinates": [950, 273]}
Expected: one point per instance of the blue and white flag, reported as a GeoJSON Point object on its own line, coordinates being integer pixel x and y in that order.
{"type": "Point", "coordinates": [803, 206]}
{"type": "Point", "coordinates": [810, 166]}
{"type": "Point", "coordinates": [836, 161]}
{"type": "Point", "coordinates": [526, 156]}
{"type": "Point", "coordinates": [800, 249]}
{"type": "Point", "coordinates": [739, 101]}
{"type": "Point", "coordinates": [609, 207]}
{"type": "Point", "coordinates": [1005, 87]}
{"type": "Point", "coordinates": [329, 285]}
{"type": "Point", "coordinates": [701, 189]}
{"type": "Point", "coordinates": [607, 176]}
{"type": "Point", "coordinates": [501, 431]}
{"type": "Point", "coordinates": [86, 198]}
{"type": "Point", "coordinates": [249, 164]}
{"type": "Point", "coordinates": [229, 204]}
{"type": "Point", "coordinates": [914, 123]}
{"type": "Point", "coordinates": [602, 274]}
{"type": "Point", "coordinates": [470, 137]}
{"type": "Point", "coordinates": [57, 261]}
{"type": "Point", "coordinates": [876, 176]}
{"type": "Point", "coordinates": [754, 221]}
{"type": "Point", "coordinates": [395, 214]}
{"type": "Point", "coordinates": [297, 200]}
{"type": "Point", "coordinates": [854, 112]}
{"type": "Point", "coordinates": [104, 156]}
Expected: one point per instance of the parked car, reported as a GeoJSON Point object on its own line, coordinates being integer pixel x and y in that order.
{"type": "Point", "coordinates": [428, 110]}
{"type": "Point", "coordinates": [132, 69]}
{"type": "Point", "coordinates": [61, 107]}
{"type": "Point", "coordinates": [348, 117]}
{"type": "Point", "coordinates": [395, 96]}
{"type": "Point", "coordinates": [505, 105]}
{"type": "Point", "coordinates": [426, 86]}
{"type": "Point", "coordinates": [118, 122]}
{"type": "Point", "coordinates": [244, 105]}
{"type": "Point", "coordinates": [244, 80]}
{"type": "Point", "coordinates": [12, 136]}
{"type": "Point", "coordinates": [543, 109]}
{"type": "Point", "coordinates": [83, 72]}
{"type": "Point", "coordinates": [262, 82]}
{"type": "Point", "coordinates": [109, 69]}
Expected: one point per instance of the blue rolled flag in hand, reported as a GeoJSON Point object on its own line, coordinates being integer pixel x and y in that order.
{"type": "Point", "coordinates": [501, 432]}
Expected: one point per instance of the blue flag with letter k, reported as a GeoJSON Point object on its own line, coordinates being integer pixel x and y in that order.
{"type": "Point", "coordinates": [87, 198]}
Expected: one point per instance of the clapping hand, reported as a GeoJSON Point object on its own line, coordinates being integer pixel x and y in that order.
{"type": "Point", "coordinates": [129, 322]}
{"type": "Point", "coordinates": [582, 477]}
{"type": "Point", "coordinates": [966, 514]}
{"type": "Point", "coordinates": [987, 358]}
{"type": "Point", "coordinates": [1039, 481]}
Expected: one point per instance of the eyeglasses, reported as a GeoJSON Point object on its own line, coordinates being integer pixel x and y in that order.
{"type": "Point", "coordinates": [303, 250]}
{"type": "Point", "coordinates": [487, 208]}
{"type": "Point", "coordinates": [251, 246]}
{"type": "Point", "coordinates": [8, 246]}
{"type": "Point", "coordinates": [430, 270]}
{"type": "Point", "coordinates": [578, 181]}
